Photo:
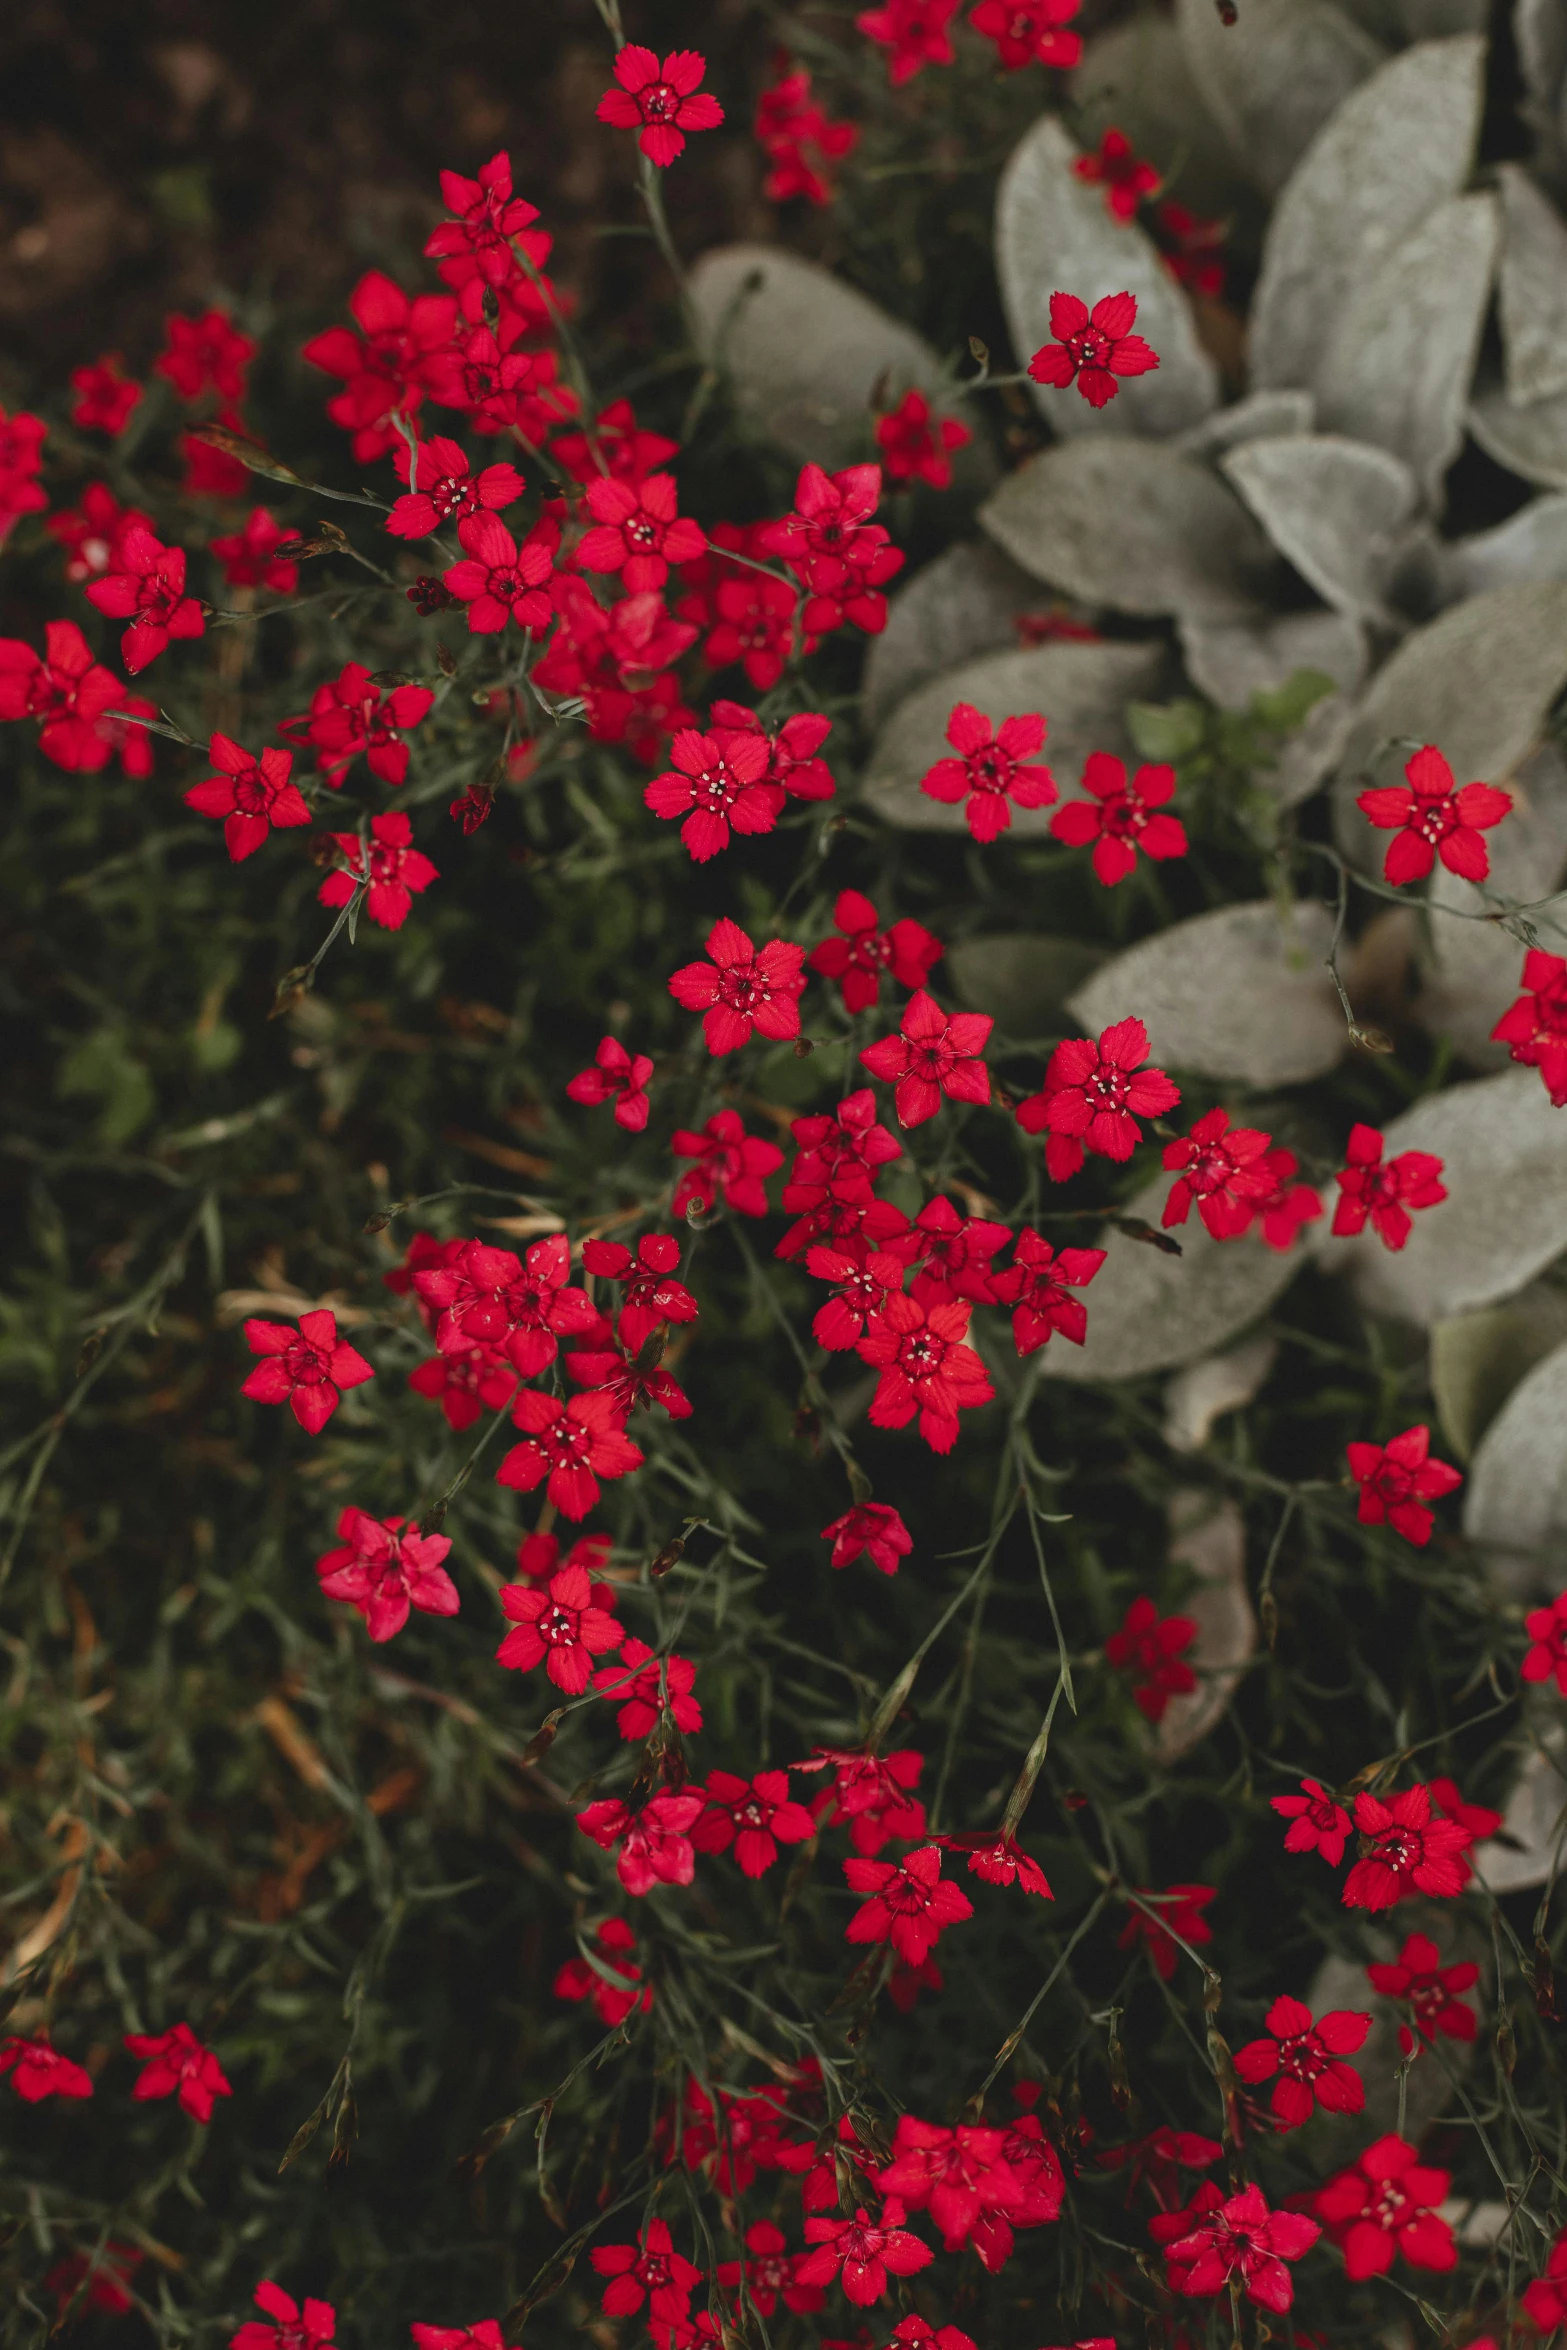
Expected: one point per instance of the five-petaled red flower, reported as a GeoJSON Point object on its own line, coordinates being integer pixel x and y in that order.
{"type": "Point", "coordinates": [717, 785]}
{"type": "Point", "coordinates": [801, 142]}
{"type": "Point", "coordinates": [647, 1686]}
{"type": "Point", "coordinates": [841, 557]}
{"type": "Point", "coordinates": [1318, 1822]}
{"type": "Point", "coordinates": [649, 2270]}
{"type": "Point", "coordinates": [651, 1847]}
{"type": "Point", "coordinates": [573, 1445]}
{"type": "Point", "coordinates": [1534, 1028]}
{"type": "Point", "coordinates": [149, 592]}
{"type": "Point", "coordinates": [1430, 1990]}
{"type": "Point", "coordinates": [561, 1626]}
{"type": "Point", "coordinates": [619, 1077]}
{"type": "Point", "coordinates": [307, 1368]}
{"type": "Point", "coordinates": [917, 445]}
{"type": "Point", "coordinates": [770, 2271]}
{"type": "Point", "coordinates": [1289, 1206]}
{"type": "Point", "coordinates": [1412, 1849]}
{"type": "Point", "coordinates": [910, 1903]}
{"type": "Point", "coordinates": [1120, 817]}
{"type": "Point", "coordinates": [1036, 1286]}
{"type": "Point", "coordinates": [741, 989]}
{"type": "Point", "coordinates": [500, 581]}
{"type": "Point", "coordinates": [730, 1164]}
{"type": "Point", "coordinates": [652, 1294]}
{"type": "Point", "coordinates": [1396, 1481]}
{"type": "Point", "coordinates": [1092, 348]}
{"type": "Point", "coordinates": [873, 1793]}
{"type": "Point", "coordinates": [1218, 1167]}
{"type": "Point", "coordinates": [863, 951]}
{"type": "Point", "coordinates": [38, 2071]}
{"type": "Point", "coordinates": [350, 713]}
{"type": "Point", "coordinates": [990, 770]}
{"type": "Point", "coordinates": [861, 2252]}
{"type": "Point", "coordinates": [1433, 820]}
{"type": "Point", "coordinates": [955, 2174]}
{"type": "Point", "coordinates": [1122, 173]}
{"type": "Point", "coordinates": [67, 691]}
{"type": "Point", "coordinates": [1384, 1193]}
{"type": "Point", "coordinates": [175, 2063]}
{"type": "Point", "coordinates": [253, 796]}
{"type": "Point", "coordinates": [916, 33]}
{"type": "Point", "coordinates": [204, 351]}
{"type": "Point", "coordinates": [384, 1567]}
{"type": "Point", "coordinates": [999, 1859]}
{"type": "Point", "coordinates": [639, 532]}
{"type": "Point", "coordinates": [925, 1367]}
{"type": "Point", "coordinates": [483, 1296]}
{"type": "Point", "coordinates": [754, 1815]}
{"type": "Point", "coordinates": [931, 1055]}
{"type": "Point", "coordinates": [105, 395]}
{"type": "Point", "coordinates": [873, 1529]}
{"type": "Point", "coordinates": [250, 558]}
{"type": "Point", "coordinates": [1028, 32]}
{"type": "Point", "coordinates": [292, 2328]}
{"type": "Point", "coordinates": [1546, 1658]}
{"type": "Point", "coordinates": [1092, 1097]}
{"type": "Point", "coordinates": [613, 1999]}
{"type": "Point", "coordinates": [442, 489]}
{"type": "Point", "coordinates": [1239, 2243]}
{"type": "Point", "coordinates": [1383, 2205]}
{"type": "Point", "coordinates": [392, 874]}
{"type": "Point", "coordinates": [1304, 2061]}
{"type": "Point", "coordinates": [862, 1280]}
{"type": "Point", "coordinates": [660, 102]}
{"type": "Point", "coordinates": [1148, 1648]}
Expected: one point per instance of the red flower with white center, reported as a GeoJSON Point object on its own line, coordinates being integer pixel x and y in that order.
{"type": "Point", "coordinates": [1304, 2060]}
{"type": "Point", "coordinates": [1409, 1848]}
{"type": "Point", "coordinates": [619, 1077]}
{"type": "Point", "coordinates": [1534, 1028]}
{"type": "Point", "coordinates": [653, 1295]}
{"type": "Point", "coordinates": [1028, 32]}
{"type": "Point", "coordinates": [562, 1627]}
{"type": "Point", "coordinates": [952, 1253]}
{"type": "Point", "coordinates": [730, 1165]}
{"type": "Point", "coordinates": [249, 557]}
{"type": "Point", "coordinates": [384, 1567]}
{"type": "Point", "coordinates": [465, 1385]}
{"type": "Point", "coordinates": [573, 1445]}
{"type": "Point", "coordinates": [106, 398]}
{"type": "Point", "coordinates": [916, 33]}
{"type": "Point", "coordinates": [770, 2271]}
{"type": "Point", "coordinates": [910, 1904]}
{"type": "Point", "coordinates": [1385, 1194]}
{"type": "Point", "coordinates": [1093, 349]}
{"type": "Point", "coordinates": [1546, 1659]}
{"type": "Point", "coordinates": [932, 1055]}
{"type": "Point", "coordinates": [862, 2253]}
{"type": "Point", "coordinates": [1092, 1097]}
{"type": "Point", "coordinates": [629, 1383]}
{"type": "Point", "coordinates": [925, 1368]}
{"type": "Point", "coordinates": [174, 2063]}
{"type": "Point", "coordinates": [476, 242]}
{"type": "Point", "coordinates": [1396, 1481]}
{"type": "Point", "coordinates": [802, 144]}
{"type": "Point", "coordinates": [873, 1530]}
{"type": "Point", "coordinates": [954, 2174]}
{"type": "Point", "coordinates": [1036, 1286]}
{"type": "Point", "coordinates": [1430, 1991]}
{"type": "Point", "coordinates": [351, 714]}
{"type": "Point", "coordinates": [38, 2071]}
{"type": "Point", "coordinates": [660, 102]}
{"type": "Point", "coordinates": [1384, 2205]}
{"type": "Point", "coordinates": [1318, 1822]}
{"type": "Point", "coordinates": [999, 1859]}
{"type": "Point", "coordinates": [204, 352]}
{"type": "Point", "coordinates": [67, 691]}
{"type": "Point", "coordinates": [382, 360]}
{"type": "Point", "coordinates": [615, 444]}
{"type": "Point", "coordinates": [754, 1815]}
{"type": "Point", "coordinates": [91, 532]}
{"type": "Point", "coordinates": [849, 1142]}
{"type": "Point", "coordinates": [611, 1984]}
{"type": "Point", "coordinates": [392, 875]}
{"type": "Point", "coordinates": [1120, 817]}
{"type": "Point", "coordinates": [292, 2328]}
{"type": "Point", "coordinates": [872, 1794]}
{"type": "Point", "coordinates": [149, 592]}
{"type": "Point", "coordinates": [718, 785]}
{"type": "Point", "coordinates": [917, 2333]}
{"type": "Point", "coordinates": [640, 531]}
{"type": "Point", "coordinates": [1148, 1649]}
{"type": "Point", "coordinates": [1219, 1167]}
{"type": "Point", "coordinates": [1285, 1211]}
{"type": "Point", "coordinates": [651, 1847]}
{"type": "Point", "coordinates": [306, 1368]}
{"type": "Point", "coordinates": [741, 989]}
{"type": "Point", "coordinates": [649, 2270]}
{"type": "Point", "coordinates": [1121, 172]}
{"type": "Point", "coordinates": [502, 390]}
{"type": "Point", "coordinates": [1546, 2298]}
{"type": "Point", "coordinates": [863, 1282]}
{"type": "Point", "coordinates": [1433, 820]}
{"type": "Point", "coordinates": [1175, 1911]}
{"type": "Point", "coordinates": [916, 445]}
{"type": "Point", "coordinates": [754, 625]}
{"type": "Point", "coordinates": [647, 1686]}
{"type": "Point", "coordinates": [500, 581]}
{"type": "Point", "coordinates": [840, 556]}
{"type": "Point", "coordinates": [863, 951]}
{"type": "Point", "coordinates": [1238, 2243]}
{"type": "Point", "coordinates": [990, 770]}
{"type": "Point", "coordinates": [444, 490]}
{"type": "Point", "coordinates": [253, 796]}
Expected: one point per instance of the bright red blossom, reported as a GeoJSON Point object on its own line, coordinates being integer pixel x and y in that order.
{"type": "Point", "coordinates": [640, 533]}
{"type": "Point", "coordinates": [249, 557]}
{"type": "Point", "coordinates": [1534, 1028]}
{"type": "Point", "coordinates": [660, 102]}
{"type": "Point", "coordinates": [648, 1686]}
{"type": "Point", "coordinates": [384, 1567]}
{"type": "Point", "coordinates": [754, 1815]}
{"type": "Point", "coordinates": [910, 1903]}
{"type": "Point", "coordinates": [350, 714]}
{"type": "Point", "coordinates": [999, 1860]}
{"type": "Point", "coordinates": [1396, 1481]}
{"type": "Point", "coordinates": [801, 143]}
{"type": "Point", "coordinates": [149, 592]}
{"type": "Point", "coordinates": [1121, 172]}
{"type": "Point", "coordinates": [652, 1294]}
{"type": "Point", "coordinates": [872, 1529]}
{"type": "Point", "coordinates": [1036, 1285]}
{"type": "Point", "coordinates": [611, 1985]}
{"type": "Point", "coordinates": [1283, 1212]}
{"type": "Point", "coordinates": [202, 353]}
{"type": "Point", "coordinates": [67, 691]}
{"type": "Point", "coordinates": [1176, 1910]}
{"type": "Point", "coordinates": [1219, 1168]}
{"type": "Point", "coordinates": [840, 556]}
{"type": "Point", "coordinates": [1546, 2298]}
{"type": "Point", "coordinates": [1028, 32]}
{"type": "Point", "coordinates": [38, 2071]}
{"type": "Point", "coordinates": [105, 396]}
{"type": "Point", "coordinates": [392, 874]}
{"type": "Point", "coordinates": [1384, 1194]}
{"type": "Point", "coordinates": [990, 770]}
{"type": "Point", "coordinates": [1303, 2059]}
{"type": "Point", "coordinates": [1092, 349]}
{"type": "Point", "coordinates": [651, 1847]}
{"type": "Point", "coordinates": [307, 1368]}
{"type": "Point", "coordinates": [650, 2270]}
{"type": "Point", "coordinates": [1092, 1097]}
{"type": "Point", "coordinates": [252, 796]}
{"type": "Point", "coordinates": [1148, 1649]}
{"type": "Point", "coordinates": [1120, 817]}
{"type": "Point", "coordinates": [1418, 1977]}
{"type": "Point", "coordinates": [741, 989]}
{"type": "Point", "coordinates": [174, 2063]}
{"type": "Point", "coordinates": [1318, 1822]}
{"type": "Point", "coordinates": [383, 361]}
{"type": "Point", "coordinates": [1384, 2205]}
{"type": "Point", "coordinates": [1411, 1849]}
{"type": "Point", "coordinates": [916, 33]}
{"type": "Point", "coordinates": [873, 1794]}
{"type": "Point", "coordinates": [475, 244]}
{"type": "Point", "coordinates": [917, 445]}
{"type": "Point", "coordinates": [932, 1055]}
{"type": "Point", "coordinates": [1217, 2243]}
{"type": "Point", "coordinates": [483, 1296]}
{"type": "Point", "coordinates": [442, 489]}
{"type": "Point", "coordinates": [925, 1367]}
{"type": "Point", "coordinates": [863, 951]}
{"type": "Point", "coordinates": [500, 581]}
{"type": "Point", "coordinates": [862, 1283]}
{"type": "Point", "coordinates": [862, 2253]}
{"type": "Point", "coordinates": [91, 532]}
{"type": "Point", "coordinates": [954, 2174]}
{"type": "Point", "coordinates": [619, 1077]}
{"type": "Point", "coordinates": [770, 2271]}
{"type": "Point", "coordinates": [561, 1627]}
{"type": "Point", "coordinates": [717, 784]}
{"type": "Point", "coordinates": [571, 1445]}
{"type": "Point", "coordinates": [1547, 1655]}
{"type": "Point", "coordinates": [730, 1164]}
{"type": "Point", "coordinates": [1433, 820]}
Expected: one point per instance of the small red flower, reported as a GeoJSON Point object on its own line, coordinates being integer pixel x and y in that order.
{"type": "Point", "coordinates": [1396, 1481]}
{"type": "Point", "coordinates": [872, 1529]}
{"type": "Point", "coordinates": [910, 1903]}
{"type": "Point", "coordinates": [1385, 1194]}
{"type": "Point", "coordinates": [1220, 1168]}
{"type": "Point", "coordinates": [442, 489]}
{"type": "Point", "coordinates": [730, 1164]}
{"type": "Point", "coordinates": [651, 1847]}
{"type": "Point", "coordinates": [1120, 817]}
{"type": "Point", "coordinates": [1418, 1977]}
{"type": "Point", "coordinates": [483, 1296]}
{"type": "Point", "coordinates": [741, 989]}
{"type": "Point", "coordinates": [292, 2328]}
{"type": "Point", "coordinates": [873, 1794]}
{"type": "Point", "coordinates": [1411, 1849]}
{"type": "Point", "coordinates": [1546, 2298]}
{"type": "Point", "coordinates": [771, 2272]}
{"type": "Point", "coordinates": [957, 2175]}
{"type": "Point", "coordinates": [382, 360]}
{"type": "Point", "coordinates": [106, 398]}
{"type": "Point", "coordinates": [802, 145]}
{"type": "Point", "coordinates": [989, 772]}
{"type": "Point", "coordinates": [1093, 1096]}
{"type": "Point", "coordinates": [385, 1567]}
{"type": "Point", "coordinates": [611, 1985]}
{"type": "Point", "coordinates": [561, 1627]}
{"type": "Point", "coordinates": [67, 691]}
{"type": "Point", "coordinates": [487, 219]}
{"type": "Point", "coordinates": [253, 796]}
{"type": "Point", "coordinates": [925, 1368]}
{"type": "Point", "coordinates": [1036, 1284]}
{"type": "Point", "coordinates": [22, 437]}
{"type": "Point", "coordinates": [717, 784]}
{"type": "Point", "coordinates": [1179, 1909]}
{"type": "Point", "coordinates": [1318, 1822]}
{"type": "Point", "coordinates": [350, 714]}
{"type": "Point", "coordinates": [1546, 1659]}
{"type": "Point", "coordinates": [652, 1294]}
{"type": "Point", "coordinates": [862, 2253]}
{"type": "Point", "coordinates": [573, 1445]}
{"type": "Point", "coordinates": [1534, 1029]}
{"type": "Point", "coordinates": [916, 445]}
{"type": "Point", "coordinates": [1384, 2205]}
{"type": "Point", "coordinates": [395, 871]}
{"type": "Point", "coordinates": [753, 623]}
{"type": "Point", "coordinates": [500, 581]}
{"type": "Point", "coordinates": [862, 1282]}
{"type": "Point", "coordinates": [615, 444]}
{"type": "Point", "coordinates": [1433, 820]}
{"type": "Point", "coordinates": [485, 2335]}
{"type": "Point", "coordinates": [1148, 1649]}
{"type": "Point", "coordinates": [1238, 2243]}
{"type": "Point", "coordinates": [640, 533]}
{"type": "Point", "coordinates": [647, 1687]}
{"type": "Point", "coordinates": [249, 559]}
{"type": "Point", "coordinates": [932, 1055]}
{"type": "Point", "coordinates": [1285, 1211]}
{"type": "Point", "coordinates": [999, 1859]}
{"type": "Point", "coordinates": [307, 1368]}
{"type": "Point", "coordinates": [1121, 172]}
{"type": "Point", "coordinates": [863, 951]}
{"type": "Point", "coordinates": [754, 1815]}
{"type": "Point", "coordinates": [794, 761]}
{"type": "Point", "coordinates": [1028, 32]}
{"type": "Point", "coordinates": [1303, 2059]}
{"type": "Point", "coordinates": [916, 33]}
{"type": "Point", "coordinates": [619, 1077]}
{"type": "Point", "coordinates": [660, 102]}
{"type": "Point", "coordinates": [149, 592]}
{"type": "Point", "coordinates": [465, 1385]}
{"type": "Point", "coordinates": [1092, 349]}
{"type": "Point", "coordinates": [38, 2071]}
{"type": "Point", "coordinates": [91, 532]}
{"type": "Point", "coordinates": [204, 352]}
{"type": "Point", "coordinates": [840, 556]}
{"type": "Point", "coordinates": [175, 2063]}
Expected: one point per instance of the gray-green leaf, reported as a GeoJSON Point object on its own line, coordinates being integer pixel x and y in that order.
{"type": "Point", "coordinates": [965, 602]}
{"type": "Point", "coordinates": [1336, 507]}
{"type": "Point", "coordinates": [1530, 293]}
{"type": "Point", "coordinates": [1272, 77]}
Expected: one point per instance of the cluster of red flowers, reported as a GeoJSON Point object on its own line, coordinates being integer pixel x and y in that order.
{"type": "Point", "coordinates": [1414, 1842]}
{"type": "Point", "coordinates": [174, 2064]}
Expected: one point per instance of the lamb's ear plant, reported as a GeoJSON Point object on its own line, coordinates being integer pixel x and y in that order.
{"type": "Point", "coordinates": [786, 1361]}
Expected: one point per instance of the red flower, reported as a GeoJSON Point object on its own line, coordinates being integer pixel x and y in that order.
{"type": "Point", "coordinates": [103, 2281]}
{"type": "Point", "coordinates": [443, 489]}
{"type": "Point", "coordinates": [794, 763]}
{"type": "Point", "coordinates": [640, 533]}
{"type": "Point", "coordinates": [1384, 2205]}
{"type": "Point", "coordinates": [917, 2333]}
{"type": "Point", "coordinates": [1027, 32]}
{"type": "Point", "coordinates": [1192, 249]}
{"type": "Point", "coordinates": [476, 242]}
{"type": "Point", "coordinates": [872, 1529]}
{"type": "Point", "coordinates": [951, 1254]}
{"type": "Point", "coordinates": [465, 1385]}
{"type": "Point", "coordinates": [653, 1295]}
{"type": "Point", "coordinates": [292, 2328]}
{"type": "Point", "coordinates": [382, 367]}
{"type": "Point", "coordinates": [862, 2252]}
{"type": "Point", "coordinates": [917, 446]}
{"type": "Point", "coordinates": [654, 1845]}
{"type": "Point", "coordinates": [771, 2272]}
{"type": "Point", "coordinates": [1433, 820]}
{"type": "Point", "coordinates": [863, 1281]}
{"type": "Point", "coordinates": [1093, 1096]}
{"type": "Point", "coordinates": [616, 1076]}
{"type": "Point", "coordinates": [485, 2335]}
{"type": "Point", "coordinates": [1220, 1170]}
{"type": "Point", "coordinates": [801, 144]}
{"type": "Point", "coordinates": [872, 1794]}
{"type": "Point", "coordinates": [1546, 2298]}
{"type": "Point", "coordinates": [954, 2174]}
{"type": "Point", "coordinates": [1411, 1850]}
{"type": "Point", "coordinates": [910, 1903]}
{"type": "Point", "coordinates": [741, 990]}
{"type": "Point", "coordinates": [858, 957]}
{"type": "Point", "coordinates": [573, 1445]}
{"type": "Point", "coordinates": [351, 714]}
{"type": "Point", "coordinates": [932, 1055]}
{"type": "Point", "coordinates": [91, 532]}
{"type": "Point", "coordinates": [1180, 1909]}
{"type": "Point", "coordinates": [393, 875]}
{"type": "Point", "coordinates": [1124, 176]}
{"type": "Point", "coordinates": [611, 1984]}
{"type": "Point", "coordinates": [203, 352]}
{"type": "Point", "coordinates": [499, 581]}
{"type": "Point", "coordinates": [915, 31]}
{"type": "Point", "coordinates": [1535, 1027]}
{"type": "Point", "coordinates": [1035, 1286]}
{"type": "Point", "coordinates": [841, 558]}
{"type": "Point", "coordinates": [483, 1296]}
{"type": "Point", "coordinates": [999, 1859]}
{"type": "Point", "coordinates": [1240, 2242]}
{"type": "Point", "coordinates": [38, 2071]}
{"type": "Point", "coordinates": [649, 1686]}
{"type": "Point", "coordinates": [987, 772]}
{"type": "Point", "coordinates": [1157, 2158]}
{"type": "Point", "coordinates": [307, 1368]}
{"type": "Point", "coordinates": [384, 1568]}
{"type": "Point", "coordinates": [561, 1627]}
{"type": "Point", "coordinates": [660, 102]}
{"type": "Point", "coordinates": [248, 559]}
{"type": "Point", "coordinates": [149, 592]}
{"type": "Point", "coordinates": [1318, 1822]}
{"type": "Point", "coordinates": [1547, 1657]}
{"type": "Point", "coordinates": [615, 444]}
{"type": "Point", "coordinates": [925, 1368]}
{"type": "Point", "coordinates": [1120, 817]}
{"type": "Point", "coordinates": [730, 1164]}
{"type": "Point", "coordinates": [1384, 1193]}
{"type": "Point", "coordinates": [1307, 2058]}
{"type": "Point", "coordinates": [211, 472]}
{"type": "Point", "coordinates": [717, 785]}
{"type": "Point", "coordinates": [22, 438]}
{"type": "Point", "coordinates": [1148, 1648]}
{"type": "Point", "coordinates": [105, 396]}
{"type": "Point", "coordinates": [754, 625]}
{"type": "Point", "coordinates": [1289, 1206]}
{"type": "Point", "coordinates": [1093, 349]}
{"type": "Point", "coordinates": [176, 2063]}
{"type": "Point", "coordinates": [67, 691]}
{"type": "Point", "coordinates": [252, 796]}
{"type": "Point", "coordinates": [1418, 1976]}
{"type": "Point", "coordinates": [1396, 1481]}
{"type": "Point", "coordinates": [754, 1815]}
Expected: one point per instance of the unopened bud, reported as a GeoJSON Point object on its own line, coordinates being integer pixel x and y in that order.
{"type": "Point", "coordinates": [803, 1048]}
{"type": "Point", "coordinates": [446, 660]}
{"type": "Point", "coordinates": [979, 352]}
{"type": "Point", "coordinates": [542, 1740]}
{"type": "Point", "coordinates": [1370, 1040]}
{"type": "Point", "coordinates": [670, 1556]}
